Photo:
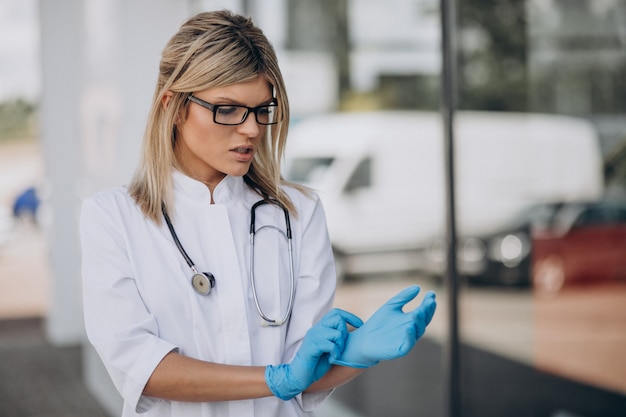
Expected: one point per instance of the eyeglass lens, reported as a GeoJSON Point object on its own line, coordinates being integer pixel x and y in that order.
{"type": "Point", "coordinates": [234, 115]}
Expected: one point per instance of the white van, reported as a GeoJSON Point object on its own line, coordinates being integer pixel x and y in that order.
{"type": "Point", "coordinates": [381, 177]}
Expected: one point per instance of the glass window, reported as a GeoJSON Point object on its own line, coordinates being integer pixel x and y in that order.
{"type": "Point", "coordinates": [307, 170]}
{"type": "Point", "coordinates": [539, 148]}
{"type": "Point", "coordinates": [361, 177]}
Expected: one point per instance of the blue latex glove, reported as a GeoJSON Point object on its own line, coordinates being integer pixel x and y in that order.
{"type": "Point", "coordinates": [326, 338]}
{"type": "Point", "coordinates": [390, 333]}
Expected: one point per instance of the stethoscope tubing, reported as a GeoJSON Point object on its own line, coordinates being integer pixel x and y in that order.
{"type": "Point", "coordinates": [202, 282]}
{"type": "Point", "coordinates": [266, 320]}
{"type": "Point", "coordinates": [176, 240]}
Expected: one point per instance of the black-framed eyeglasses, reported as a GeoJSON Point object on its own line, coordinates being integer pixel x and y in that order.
{"type": "Point", "coordinates": [232, 114]}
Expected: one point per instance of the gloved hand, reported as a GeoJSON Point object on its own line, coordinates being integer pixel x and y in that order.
{"type": "Point", "coordinates": [390, 333]}
{"type": "Point", "coordinates": [327, 337]}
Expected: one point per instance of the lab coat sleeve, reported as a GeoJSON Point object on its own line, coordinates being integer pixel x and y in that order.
{"type": "Point", "coordinates": [316, 282]}
{"type": "Point", "coordinates": [122, 330]}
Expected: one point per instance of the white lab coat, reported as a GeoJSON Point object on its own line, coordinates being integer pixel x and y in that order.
{"type": "Point", "coordinates": [139, 303]}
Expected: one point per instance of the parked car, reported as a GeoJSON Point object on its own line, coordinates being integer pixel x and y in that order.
{"type": "Point", "coordinates": [586, 244]}
{"type": "Point", "coordinates": [501, 257]}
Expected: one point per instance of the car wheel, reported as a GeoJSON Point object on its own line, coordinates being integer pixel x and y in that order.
{"type": "Point", "coordinates": [512, 277]}
{"type": "Point", "coordinates": [549, 275]}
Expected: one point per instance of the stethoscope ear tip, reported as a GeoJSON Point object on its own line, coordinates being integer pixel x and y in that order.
{"type": "Point", "coordinates": [272, 323]}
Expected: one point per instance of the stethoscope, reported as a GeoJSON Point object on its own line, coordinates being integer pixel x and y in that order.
{"type": "Point", "coordinates": [203, 282]}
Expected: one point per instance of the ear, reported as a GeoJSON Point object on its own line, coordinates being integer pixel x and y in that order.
{"type": "Point", "coordinates": [166, 98]}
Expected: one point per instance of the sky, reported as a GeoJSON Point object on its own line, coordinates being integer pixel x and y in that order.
{"type": "Point", "coordinates": [19, 50]}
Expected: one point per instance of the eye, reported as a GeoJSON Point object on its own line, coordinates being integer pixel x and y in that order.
{"type": "Point", "coordinates": [227, 110]}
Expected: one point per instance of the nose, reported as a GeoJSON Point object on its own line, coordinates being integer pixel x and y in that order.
{"type": "Point", "coordinates": [250, 127]}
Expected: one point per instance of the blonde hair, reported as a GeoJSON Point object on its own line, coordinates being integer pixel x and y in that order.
{"type": "Point", "coordinates": [211, 49]}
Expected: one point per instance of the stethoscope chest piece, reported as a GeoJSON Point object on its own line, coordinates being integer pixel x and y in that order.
{"type": "Point", "coordinates": [203, 282]}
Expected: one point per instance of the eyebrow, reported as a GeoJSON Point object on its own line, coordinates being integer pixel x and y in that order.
{"type": "Point", "coordinates": [220, 101]}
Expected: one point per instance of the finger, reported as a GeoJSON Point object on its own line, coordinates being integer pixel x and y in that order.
{"type": "Point", "coordinates": [338, 337]}
{"type": "Point", "coordinates": [334, 356]}
{"type": "Point", "coordinates": [335, 353]}
{"type": "Point", "coordinates": [326, 346]}
{"type": "Point", "coordinates": [428, 298]}
{"type": "Point", "coordinates": [338, 317]}
{"type": "Point", "coordinates": [332, 319]}
{"type": "Point", "coordinates": [351, 319]}
{"type": "Point", "coordinates": [320, 333]}
{"type": "Point", "coordinates": [420, 323]}
{"type": "Point", "coordinates": [333, 345]}
{"type": "Point", "coordinates": [404, 296]}
{"type": "Point", "coordinates": [428, 306]}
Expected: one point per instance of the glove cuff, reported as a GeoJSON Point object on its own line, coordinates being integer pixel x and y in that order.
{"type": "Point", "coordinates": [277, 379]}
{"type": "Point", "coordinates": [353, 364]}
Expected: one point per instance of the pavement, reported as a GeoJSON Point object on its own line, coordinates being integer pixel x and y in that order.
{"type": "Point", "coordinates": [38, 379]}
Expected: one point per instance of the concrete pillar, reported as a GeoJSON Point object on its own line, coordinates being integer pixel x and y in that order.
{"type": "Point", "coordinates": [99, 65]}
{"type": "Point", "coordinates": [62, 76]}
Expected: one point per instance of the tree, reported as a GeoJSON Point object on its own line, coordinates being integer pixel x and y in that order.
{"type": "Point", "coordinates": [17, 119]}
{"type": "Point", "coordinates": [492, 55]}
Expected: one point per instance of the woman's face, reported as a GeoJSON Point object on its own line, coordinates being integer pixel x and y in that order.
{"type": "Point", "coordinates": [208, 151]}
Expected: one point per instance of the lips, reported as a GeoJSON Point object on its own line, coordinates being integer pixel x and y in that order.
{"type": "Point", "coordinates": [243, 153]}
{"type": "Point", "coordinates": [243, 150]}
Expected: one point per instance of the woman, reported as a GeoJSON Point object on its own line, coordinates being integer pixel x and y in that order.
{"type": "Point", "coordinates": [256, 335]}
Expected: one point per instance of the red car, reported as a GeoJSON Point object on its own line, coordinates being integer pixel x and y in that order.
{"type": "Point", "coordinates": [585, 244]}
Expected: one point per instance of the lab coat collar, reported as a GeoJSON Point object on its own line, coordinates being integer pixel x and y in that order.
{"type": "Point", "coordinates": [229, 189]}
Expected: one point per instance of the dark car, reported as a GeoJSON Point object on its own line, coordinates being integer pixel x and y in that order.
{"type": "Point", "coordinates": [508, 252]}
{"type": "Point", "coordinates": [586, 244]}
{"type": "Point", "coordinates": [503, 257]}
